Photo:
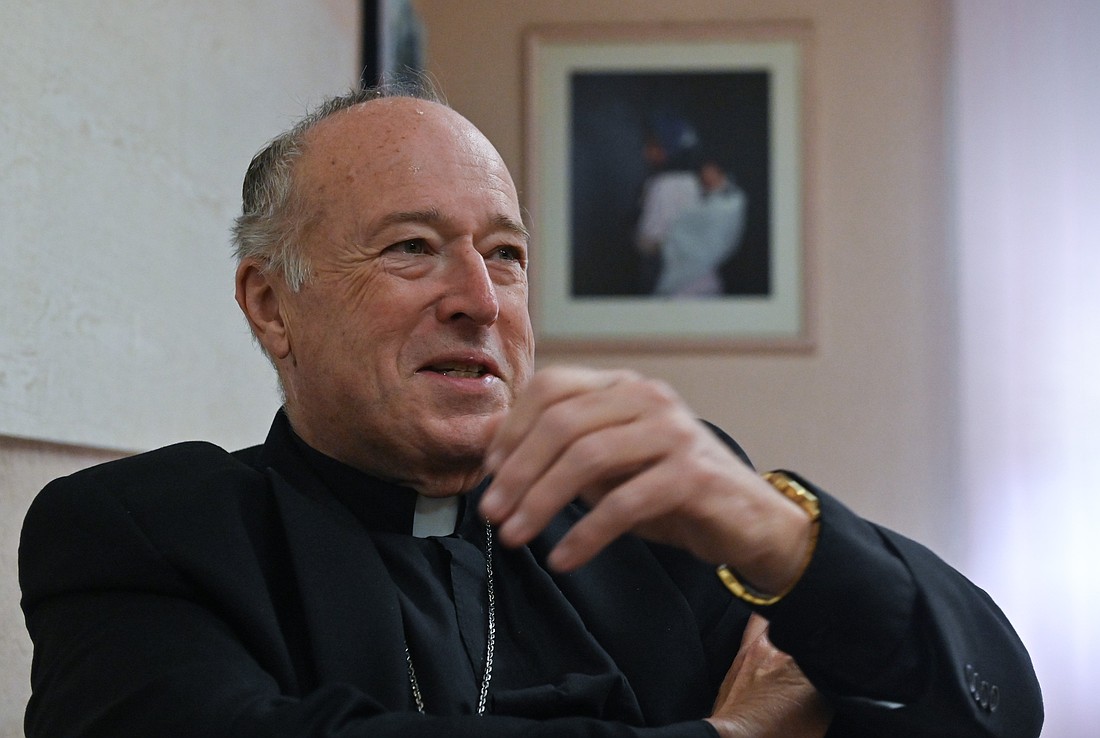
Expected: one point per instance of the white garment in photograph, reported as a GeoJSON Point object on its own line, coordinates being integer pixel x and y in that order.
{"type": "Point", "coordinates": [698, 241]}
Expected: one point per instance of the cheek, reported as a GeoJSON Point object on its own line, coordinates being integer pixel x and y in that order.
{"type": "Point", "coordinates": [513, 300]}
{"type": "Point", "coordinates": [517, 333]}
{"type": "Point", "coordinates": [513, 304]}
{"type": "Point", "coordinates": [360, 291]}
{"type": "Point", "coordinates": [371, 306]}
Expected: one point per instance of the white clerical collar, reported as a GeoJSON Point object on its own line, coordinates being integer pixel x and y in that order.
{"type": "Point", "coordinates": [435, 516]}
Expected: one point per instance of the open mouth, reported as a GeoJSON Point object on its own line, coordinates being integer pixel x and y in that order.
{"type": "Point", "coordinates": [458, 370]}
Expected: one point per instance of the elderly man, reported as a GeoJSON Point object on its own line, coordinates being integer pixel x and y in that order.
{"type": "Point", "coordinates": [357, 575]}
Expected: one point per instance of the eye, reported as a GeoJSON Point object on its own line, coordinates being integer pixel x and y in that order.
{"type": "Point", "coordinates": [411, 246]}
{"type": "Point", "coordinates": [508, 253]}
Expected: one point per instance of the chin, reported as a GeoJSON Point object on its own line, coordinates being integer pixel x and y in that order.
{"type": "Point", "coordinates": [466, 437]}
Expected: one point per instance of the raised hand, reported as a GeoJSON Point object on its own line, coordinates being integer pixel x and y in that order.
{"type": "Point", "coordinates": [633, 451]}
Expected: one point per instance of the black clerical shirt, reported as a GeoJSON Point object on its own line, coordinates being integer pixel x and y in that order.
{"type": "Point", "coordinates": [546, 663]}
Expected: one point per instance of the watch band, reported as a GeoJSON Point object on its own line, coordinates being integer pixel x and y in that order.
{"type": "Point", "coordinates": [805, 499]}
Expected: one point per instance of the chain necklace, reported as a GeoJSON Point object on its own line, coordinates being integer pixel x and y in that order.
{"type": "Point", "coordinates": [490, 637]}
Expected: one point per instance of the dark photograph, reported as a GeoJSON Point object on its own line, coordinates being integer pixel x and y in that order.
{"type": "Point", "coordinates": [670, 184]}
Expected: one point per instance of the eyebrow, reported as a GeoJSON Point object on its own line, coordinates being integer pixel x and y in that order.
{"type": "Point", "coordinates": [433, 217]}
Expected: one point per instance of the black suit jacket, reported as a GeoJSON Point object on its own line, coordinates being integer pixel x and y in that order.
{"type": "Point", "coordinates": [193, 592]}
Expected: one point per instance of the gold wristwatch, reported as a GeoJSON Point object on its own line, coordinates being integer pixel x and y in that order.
{"type": "Point", "coordinates": [805, 499]}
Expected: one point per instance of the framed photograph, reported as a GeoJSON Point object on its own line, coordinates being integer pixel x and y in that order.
{"type": "Point", "coordinates": [665, 179]}
{"type": "Point", "coordinates": [393, 38]}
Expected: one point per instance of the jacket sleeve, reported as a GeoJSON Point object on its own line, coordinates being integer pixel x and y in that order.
{"type": "Point", "coordinates": [902, 643]}
{"type": "Point", "coordinates": [127, 644]}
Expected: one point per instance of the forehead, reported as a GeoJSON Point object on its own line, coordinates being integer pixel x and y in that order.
{"type": "Point", "coordinates": [401, 148]}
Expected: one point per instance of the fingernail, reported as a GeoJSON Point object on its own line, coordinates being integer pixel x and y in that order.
{"type": "Point", "coordinates": [492, 460]}
{"type": "Point", "coordinates": [512, 530]}
{"type": "Point", "coordinates": [561, 558]}
{"type": "Point", "coordinates": [491, 502]}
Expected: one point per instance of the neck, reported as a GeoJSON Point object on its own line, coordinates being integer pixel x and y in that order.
{"type": "Point", "coordinates": [427, 474]}
{"type": "Point", "coordinates": [434, 483]}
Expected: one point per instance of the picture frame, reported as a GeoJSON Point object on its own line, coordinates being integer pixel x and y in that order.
{"type": "Point", "coordinates": [620, 120]}
{"type": "Point", "coordinates": [392, 43]}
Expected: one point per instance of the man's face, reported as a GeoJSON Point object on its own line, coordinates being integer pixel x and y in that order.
{"type": "Point", "coordinates": [412, 333]}
{"type": "Point", "coordinates": [712, 177]}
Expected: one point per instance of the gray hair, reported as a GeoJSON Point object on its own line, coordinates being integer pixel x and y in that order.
{"type": "Point", "coordinates": [273, 216]}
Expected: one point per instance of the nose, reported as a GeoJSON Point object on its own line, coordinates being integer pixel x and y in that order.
{"type": "Point", "coordinates": [469, 293]}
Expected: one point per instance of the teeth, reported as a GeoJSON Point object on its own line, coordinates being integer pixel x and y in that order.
{"type": "Point", "coordinates": [464, 371]}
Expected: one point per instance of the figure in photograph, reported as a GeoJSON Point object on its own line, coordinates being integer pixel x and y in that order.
{"type": "Point", "coordinates": [638, 141]}
{"type": "Point", "coordinates": [670, 189]}
{"type": "Point", "coordinates": [703, 237]}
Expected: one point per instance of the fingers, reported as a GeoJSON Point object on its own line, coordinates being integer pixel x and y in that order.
{"type": "Point", "coordinates": [632, 450]}
{"type": "Point", "coordinates": [630, 506]}
{"type": "Point", "coordinates": [548, 388]}
{"type": "Point", "coordinates": [766, 694]}
{"type": "Point", "coordinates": [537, 482]}
{"type": "Point", "coordinates": [754, 629]}
{"type": "Point", "coordinates": [574, 432]}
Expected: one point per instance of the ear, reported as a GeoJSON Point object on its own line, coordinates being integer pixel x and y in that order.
{"type": "Point", "coordinates": [261, 302]}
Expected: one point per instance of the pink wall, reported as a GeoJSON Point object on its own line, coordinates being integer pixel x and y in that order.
{"type": "Point", "coordinates": [868, 414]}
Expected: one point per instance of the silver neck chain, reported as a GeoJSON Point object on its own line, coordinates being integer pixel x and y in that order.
{"type": "Point", "coordinates": [490, 637]}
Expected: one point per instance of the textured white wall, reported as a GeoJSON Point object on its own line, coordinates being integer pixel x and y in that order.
{"type": "Point", "coordinates": [125, 129]}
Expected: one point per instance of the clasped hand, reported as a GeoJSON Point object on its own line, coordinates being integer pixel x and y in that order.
{"type": "Point", "coordinates": [765, 694]}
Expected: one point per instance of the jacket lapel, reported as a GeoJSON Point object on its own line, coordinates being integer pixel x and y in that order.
{"type": "Point", "coordinates": [349, 601]}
